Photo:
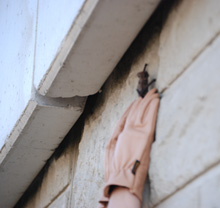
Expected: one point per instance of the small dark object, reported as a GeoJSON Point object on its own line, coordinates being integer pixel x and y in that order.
{"type": "Point", "coordinates": [143, 85]}
{"type": "Point", "coordinates": [135, 167]}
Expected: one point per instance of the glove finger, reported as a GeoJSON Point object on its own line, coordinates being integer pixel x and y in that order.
{"type": "Point", "coordinates": [121, 123]}
{"type": "Point", "coordinates": [119, 128]}
{"type": "Point", "coordinates": [110, 148]}
{"type": "Point", "coordinates": [141, 109]}
{"type": "Point", "coordinates": [145, 134]}
{"type": "Point", "coordinates": [133, 112]}
{"type": "Point", "coordinates": [138, 109]}
{"type": "Point", "coordinates": [149, 94]}
{"type": "Point", "coordinates": [142, 116]}
{"type": "Point", "coordinates": [146, 100]}
{"type": "Point", "coordinates": [150, 129]}
{"type": "Point", "coordinates": [136, 138]}
{"type": "Point", "coordinates": [150, 115]}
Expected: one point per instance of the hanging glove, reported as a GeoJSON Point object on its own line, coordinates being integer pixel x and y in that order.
{"type": "Point", "coordinates": [128, 152]}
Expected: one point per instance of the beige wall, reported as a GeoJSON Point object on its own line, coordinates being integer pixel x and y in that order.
{"type": "Point", "coordinates": [185, 162]}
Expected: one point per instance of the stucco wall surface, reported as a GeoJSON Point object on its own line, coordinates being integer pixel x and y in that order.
{"type": "Point", "coordinates": [185, 164]}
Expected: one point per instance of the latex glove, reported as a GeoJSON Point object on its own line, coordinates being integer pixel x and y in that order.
{"type": "Point", "coordinates": [128, 152]}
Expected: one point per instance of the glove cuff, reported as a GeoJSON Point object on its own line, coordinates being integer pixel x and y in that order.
{"type": "Point", "coordinates": [125, 178]}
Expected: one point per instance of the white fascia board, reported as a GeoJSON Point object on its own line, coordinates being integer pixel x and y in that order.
{"type": "Point", "coordinates": [41, 128]}
{"type": "Point", "coordinates": [94, 44]}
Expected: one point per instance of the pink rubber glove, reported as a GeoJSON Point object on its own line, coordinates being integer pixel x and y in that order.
{"type": "Point", "coordinates": [128, 152]}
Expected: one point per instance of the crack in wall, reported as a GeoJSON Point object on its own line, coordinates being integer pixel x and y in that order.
{"type": "Point", "coordinates": [58, 195]}
{"type": "Point", "coordinates": [191, 62]}
{"type": "Point", "coordinates": [188, 182]}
